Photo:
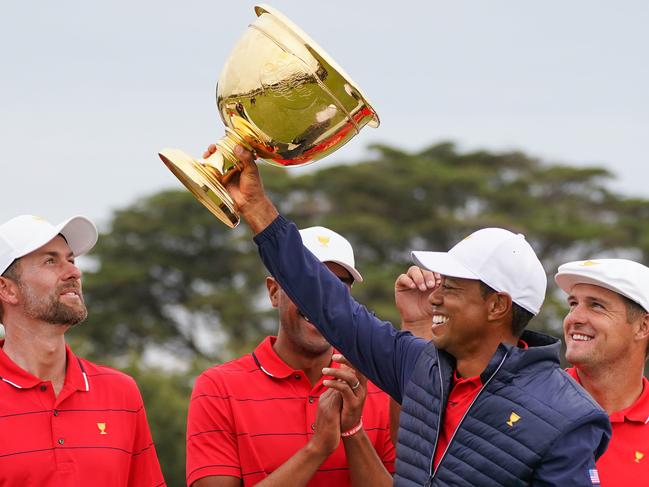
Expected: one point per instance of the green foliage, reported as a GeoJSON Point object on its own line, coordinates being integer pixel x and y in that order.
{"type": "Point", "coordinates": [166, 398]}
{"type": "Point", "coordinates": [171, 278]}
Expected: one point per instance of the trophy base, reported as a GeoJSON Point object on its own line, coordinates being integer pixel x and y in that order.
{"type": "Point", "coordinates": [202, 181]}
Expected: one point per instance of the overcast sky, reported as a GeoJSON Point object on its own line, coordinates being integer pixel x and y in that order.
{"type": "Point", "coordinates": [90, 90]}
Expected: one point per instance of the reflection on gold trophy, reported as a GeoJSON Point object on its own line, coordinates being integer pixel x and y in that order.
{"type": "Point", "coordinates": [281, 96]}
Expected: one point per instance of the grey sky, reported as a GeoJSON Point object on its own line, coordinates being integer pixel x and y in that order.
{"type": "Point", "coordinates": [90, 91]}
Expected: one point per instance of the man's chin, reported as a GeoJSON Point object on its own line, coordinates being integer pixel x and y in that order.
{"type": "Point", "coordinates": [68, 317]}
{"type": "Point", "coordinates": [315, 348]}
{"type": "Point", "coordinates": [438, 339]}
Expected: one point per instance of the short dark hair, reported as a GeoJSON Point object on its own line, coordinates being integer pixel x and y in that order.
{"type": "Point", "coordinates": [12, 272]}
{"type": "Point", "coordinates": [520, 316]}
{"type": "Point", "coordinates": [633, 310]}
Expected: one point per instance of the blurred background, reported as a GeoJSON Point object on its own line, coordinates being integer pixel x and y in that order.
{"type": "Point", "coordinates": [529, 116]}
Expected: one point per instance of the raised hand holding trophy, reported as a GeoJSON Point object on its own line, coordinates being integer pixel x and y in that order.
{"type": "Point", "coordinates": [281, 96]}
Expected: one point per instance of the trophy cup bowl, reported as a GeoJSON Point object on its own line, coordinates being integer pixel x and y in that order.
{"type": "Point", "coordinates": [281, 96]}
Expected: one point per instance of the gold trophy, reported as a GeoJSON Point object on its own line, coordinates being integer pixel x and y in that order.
{"type": "Point", "coordinates": [282, 97]}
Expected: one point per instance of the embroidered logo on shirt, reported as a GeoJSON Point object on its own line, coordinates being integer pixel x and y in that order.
{"type": "Point", "coordinates": [102, 428]}
{"type": "Point", "coordinates": [638, 456]}
{"type": "Point", "coordinates": [594, 476]}
{"type": "Point", "coordinates": [513, 417]}
{"type": "Point", "coordinates": [323, 240]}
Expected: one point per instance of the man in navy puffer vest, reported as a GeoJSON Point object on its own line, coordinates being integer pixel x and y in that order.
{"type": "Point", "coordinates": [481, 406]}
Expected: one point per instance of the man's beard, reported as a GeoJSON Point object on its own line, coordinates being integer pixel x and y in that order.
{"type": "Point", "coordinates": [50, 308]}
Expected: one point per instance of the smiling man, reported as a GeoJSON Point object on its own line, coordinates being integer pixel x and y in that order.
{"type": "Point", "coordinates": [607, 334]}
{"type": "Point", "coordinates": [481, 403]}
{"type": "Point", "coordinates": [64, 421]}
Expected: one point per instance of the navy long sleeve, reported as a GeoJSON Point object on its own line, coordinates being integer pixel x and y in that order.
{"type": "Point", "coordinates": [385, 355]}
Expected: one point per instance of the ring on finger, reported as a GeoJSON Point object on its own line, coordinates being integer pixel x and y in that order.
{"type": "Point", "coordinates": [355, 386]}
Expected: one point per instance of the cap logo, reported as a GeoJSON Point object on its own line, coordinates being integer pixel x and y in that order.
{"type": "Point", "coordinates": [38, 218]}
{"type": "Point", "coordinates": [324, 240]}
{"type": "Point", "coordinates": [638, 456]}
{"type": "Point", "coordinates": [513, 417]}
{"type": "Point", "coordinates": [102, 428]}
{"type": "Point", "coordinates": [589, 263]}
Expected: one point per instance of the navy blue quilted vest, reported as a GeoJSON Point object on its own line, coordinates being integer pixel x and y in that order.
{"type": "Point", "coordinates": [488, 449]}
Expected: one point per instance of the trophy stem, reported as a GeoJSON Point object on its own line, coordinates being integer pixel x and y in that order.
{"type": "Point", "coordinates": [225, 161]}
{"type": "Point", "coordinates": [205, 181]}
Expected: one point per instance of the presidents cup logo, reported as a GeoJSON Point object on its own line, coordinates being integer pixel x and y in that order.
{"type": "Point", "coordinates": [513, 417]}
{"type": "Point", "coordinates": [323, 240]}
{"type": "Point", "coordinates": [286, 77]}
{"type": "Point", "coordinates": [102, 428]}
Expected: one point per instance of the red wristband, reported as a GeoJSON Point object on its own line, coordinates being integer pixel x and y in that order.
{"type": "Point", "coordinates": [353, 431]}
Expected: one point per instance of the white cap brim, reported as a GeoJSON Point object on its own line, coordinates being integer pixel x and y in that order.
{"type": "Point", "coordinates": [443, 263]}
{"type": "Point", "coordinates": [624, 277]}
{"type": "Point", "coordinates": [355, 274]}
{"type": "Point", "coordinates": [79, 232]}
{"type": "Point", "coordinates": [567, 281]}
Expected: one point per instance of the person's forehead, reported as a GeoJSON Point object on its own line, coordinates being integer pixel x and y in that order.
{"type": "Point", "coordinates": [338, 269]}
{"type": "Point", "coordinates": [593, 291]}
{"type": "Point", "coordinates": [58, 245]}
{"type": "Point", "coordinates": [460, 280]}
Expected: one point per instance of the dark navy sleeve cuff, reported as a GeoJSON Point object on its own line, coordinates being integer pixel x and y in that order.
{"type": "Point", "coordinates": [278, 225]}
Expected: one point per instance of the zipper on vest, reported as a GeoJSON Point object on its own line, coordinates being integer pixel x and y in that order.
{"type": "Point", "coordinates": [459, 425]}
{"type": "Point", "coordinates": [431, 473]}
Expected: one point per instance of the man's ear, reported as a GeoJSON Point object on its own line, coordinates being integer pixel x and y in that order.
{"type": "Point", "coordinates": [642, 332]}
{"type": "Point", "coordinates": [273, 291]}
{"type": "Point", "coordinates": [499, 305]}
{"type": "Point", "coordinates": [8, 291]}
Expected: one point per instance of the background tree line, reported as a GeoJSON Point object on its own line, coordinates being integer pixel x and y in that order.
{"type": "Point", "coordinates": [172, 291]}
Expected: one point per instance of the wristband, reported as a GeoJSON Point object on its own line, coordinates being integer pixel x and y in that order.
{"type": "Point", "coordinates": [353, 431]}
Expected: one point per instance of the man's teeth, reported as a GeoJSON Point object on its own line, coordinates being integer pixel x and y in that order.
{"type": "Point", "coordinates": [581, 338]}
{"type": "Point", "coordinates": [439, 319]}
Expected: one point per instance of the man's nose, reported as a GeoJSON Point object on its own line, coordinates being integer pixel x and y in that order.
{"type": "Point", "coordinates": [71, 271]}
{"type": "Point", "coordinates": [435, 297]}
{"type": "Point", "coordinates": [576, 315]}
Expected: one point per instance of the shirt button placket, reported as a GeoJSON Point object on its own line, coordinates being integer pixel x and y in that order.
{"type": "Point", "coordinates": [311, 409]}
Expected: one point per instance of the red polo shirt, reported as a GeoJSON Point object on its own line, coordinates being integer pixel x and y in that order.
{"type": "Point", "coordinates": [248, 416]}
{"type": "Point", "coordinates": [626, 461]}
{"type": "Point", "coordinates": [94, 433]}
{"type": "Point", "coordinates": [462, 394]}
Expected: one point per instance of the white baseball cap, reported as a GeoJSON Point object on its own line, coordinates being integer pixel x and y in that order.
{"type": "Point", "coordinates": [329, 246]}
{"type": "Point", "coordinates": [26, 233]}
{"type": "Point", "coordinates": [501, 259]}
{"type": "Point", "coordinates": [625, 277]}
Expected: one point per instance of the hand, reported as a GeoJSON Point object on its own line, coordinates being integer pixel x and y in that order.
{"type": "Point", "coordinates": [352, 386]}
{"type": "Point", "coordinates": [247, 190]}
{"type": "Point", "coordinates": [327, 422]}
{"type": "Point", "coordinates": [411, 292]}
